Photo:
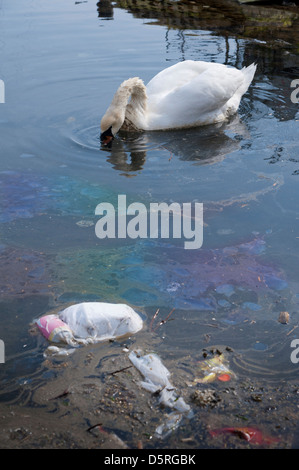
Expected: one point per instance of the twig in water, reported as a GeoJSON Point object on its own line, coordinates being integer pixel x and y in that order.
{"type": "Point", "coordinates": [157, 392]}
{"type": "Point", "coordinates": [152, 321]}
{"type": "Point", "coordinates": [94, 426]}
{"type": "Point", "coordinates": [294, 328]}
{"type": "Point", "coordinates": [164, 321]}
{"type": "Point", "coordinates": [209, 324]}
{"type": "Point", "coordinates": [63, 394]}
{"type": "Point", "coordinates": [119, 370]}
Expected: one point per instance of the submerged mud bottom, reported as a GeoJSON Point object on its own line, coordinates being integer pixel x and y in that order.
{"type": "Point", "coordinates": [93, 399]}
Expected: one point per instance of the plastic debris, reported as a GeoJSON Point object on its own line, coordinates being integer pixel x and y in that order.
{"type": "Point", "coordinates": [89, 322]}
{"type": "Point", "coordinates": [249, 434]}
{"type": "Point", "coordinates": [214, 368]}
{"type": "Point", "coordinates": [58, 351]}
{"type": "Point", "coordinates": [156, 377]}
{"type": "Point", "coordinates": [98, 321]}
{"type": "Point", "coordinates": [54, 329]}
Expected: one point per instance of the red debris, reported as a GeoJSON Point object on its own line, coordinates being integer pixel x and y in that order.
{"type": "Point", "coordinates": [249, 434]}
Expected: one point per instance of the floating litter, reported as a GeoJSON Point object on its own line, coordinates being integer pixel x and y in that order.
{"type": "Point", "coordinates": [212, 369]}
{"type": "Point", "coordinates": [89, 322]}
{"type": "Point", "coordinates": [156, 380]}
{"type": "Point", "coordinates": [224, 377]}
{"type": "Point", "coordinates": [54, 329]}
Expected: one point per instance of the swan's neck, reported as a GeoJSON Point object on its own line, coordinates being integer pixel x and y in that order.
{"type": "Point", "coordinates": [132, 99]}
{"type": "Point", "coordinates": [128, 107]}
{"type": "Point", "coordinates": [121, 97]}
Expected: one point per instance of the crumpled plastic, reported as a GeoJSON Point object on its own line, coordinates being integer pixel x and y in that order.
{"type": "Point", "coordinates": [99, 321]}
{"type": "Point", "coordinates": [254, 435]}
{"type": "Point", "coordinates": [55, 330]}
{"type": "Point", "coordinates": [88, 322]}
{"type": "Point", "coordinates": [156, 377]}
{"type": "Point", "coordinates": [212, 369]}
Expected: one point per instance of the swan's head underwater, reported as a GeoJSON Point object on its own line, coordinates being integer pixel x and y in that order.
{"type": "Point", "coordinates": [107, 137]}
{"type": "Point", "coordinates": [110, 124]}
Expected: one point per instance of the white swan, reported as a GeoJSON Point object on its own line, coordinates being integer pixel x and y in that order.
{"type": "Point", "coordinates": [187, 94]}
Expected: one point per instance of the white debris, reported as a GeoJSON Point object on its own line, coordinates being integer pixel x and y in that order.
{"type": "Point", "coordinates": [156, 377]}
{"type": "Point", "coordinates": [89, 322]}
{"type": "Point", "coordinates": [57, 351]}
{"type": "Point", "coordinates": [98, 321]}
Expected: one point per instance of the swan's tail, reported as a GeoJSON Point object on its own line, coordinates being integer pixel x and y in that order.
{"type": "Point", "coordinates": [248, 73]}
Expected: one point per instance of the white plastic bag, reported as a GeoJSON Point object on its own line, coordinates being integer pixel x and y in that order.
{"type": "Point", "coordinates": [157, 379]}
{"type": "Point", "coordinates": [89, 322]}
{"type": "Point", "coordinates": [98, 321]}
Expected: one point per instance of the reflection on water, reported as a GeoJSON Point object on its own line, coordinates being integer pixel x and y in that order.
{"type": "Point", "coordinates": [105, 9]}
{"type": "Point", "coordinates": [225, 17]}
{"type": "Point", "coordinates": [53, 174]}
{"type": "Point", "coordinates": [207, 145]}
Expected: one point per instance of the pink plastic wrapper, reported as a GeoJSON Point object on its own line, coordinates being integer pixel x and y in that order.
{"type": "Point", "coordinates": [54, 329]}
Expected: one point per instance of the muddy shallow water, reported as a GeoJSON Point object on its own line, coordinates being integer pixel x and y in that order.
{"type": "Point", "coordinates": [94, 400]}
{"type": "Point", "coordinates": [61, 62]}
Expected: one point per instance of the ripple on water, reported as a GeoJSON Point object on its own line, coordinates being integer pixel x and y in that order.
{"type": "Point", "coordinates": [88, 137]}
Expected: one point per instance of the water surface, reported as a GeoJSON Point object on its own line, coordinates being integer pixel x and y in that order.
{"type": "Point", "coordinates": [61, 62]}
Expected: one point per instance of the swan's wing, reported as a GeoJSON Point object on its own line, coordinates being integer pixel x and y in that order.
{"type": "Point", "coordinates": [176, 76]}
{"type": "Point", "coordinates": [197, 101]}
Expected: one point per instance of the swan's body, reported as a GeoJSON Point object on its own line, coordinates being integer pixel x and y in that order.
{"type": "Point", "coordinates": [188, 94]}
